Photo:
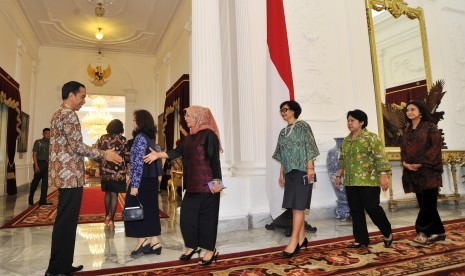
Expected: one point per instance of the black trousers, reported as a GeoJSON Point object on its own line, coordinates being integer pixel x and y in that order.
{"type": "Point", "coordinates": [428, 220]}
{"type": "Point", "coordinates": [199, 220]}
{"type": "Point", "coordinates": [64, 230]}
{"type": "Point", "coordinates": [41, 175]}
{"type": "Point", "coordinates": [363, 199]}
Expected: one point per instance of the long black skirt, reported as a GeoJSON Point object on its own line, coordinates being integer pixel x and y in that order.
{"type": "Point", "coordinates": [148, 196]}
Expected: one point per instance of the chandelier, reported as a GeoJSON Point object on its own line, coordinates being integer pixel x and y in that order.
{"type": "Point", "coordinates": [100, 6]}
{"type": "Point", "coordinates": [96, 121]}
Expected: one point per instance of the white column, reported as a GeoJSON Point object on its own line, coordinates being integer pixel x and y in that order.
{"type": "Point", "coordinates": [130, 107]}
{"type": "Point", "coordinates": [251, 49]}
{"type": "Point", "coordinates": [20, 50]}
{"type": "Point", "coordinates": [206, 80]}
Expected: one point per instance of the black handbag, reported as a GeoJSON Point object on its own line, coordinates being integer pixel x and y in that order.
{"type": "Point", "coordinates": [133, 213]}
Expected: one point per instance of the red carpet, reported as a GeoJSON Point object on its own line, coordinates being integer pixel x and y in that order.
{"type": "Point", "coordinates": [329, 257]}
{"type": "Point", "coordinates": [92, 210]}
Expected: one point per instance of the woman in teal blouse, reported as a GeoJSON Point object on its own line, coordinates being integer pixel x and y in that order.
{"type": "Point", "coordinates": [296, 150]}
{"type": "Point", "coordinates": [365, 166]}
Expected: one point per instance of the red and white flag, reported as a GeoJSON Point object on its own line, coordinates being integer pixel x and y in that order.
{"type": "Point", "coordinates": [280, 88]}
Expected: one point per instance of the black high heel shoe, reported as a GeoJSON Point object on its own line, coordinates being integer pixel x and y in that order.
{"type": "Point", "coordinates": [357, 245]}
{"type": "Point", "coordinates": [289, 255]}
{"type": "Point", "coordinates": [213, 258]}
{"type": "Point", "coordinates": [154, 250]}
{"type": "Point", "coordinates": [142, 249]}
{"type": "Point", "coordinates": [304, 243]}
{"type": "Point", "coordinates": [388, 242]}
{"type": "Point", "coordinates": [186, 257]}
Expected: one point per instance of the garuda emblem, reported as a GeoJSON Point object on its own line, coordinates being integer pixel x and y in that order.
{"type": "Point", "coordinates": [99, 76]}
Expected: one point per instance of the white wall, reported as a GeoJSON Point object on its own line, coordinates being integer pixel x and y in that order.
{"type": "Point", "coordinates": [18, 57]}
{"type": "Point", "coordinates": [59, 66]}
{"type": "Point", "coordinates": [172, 57]}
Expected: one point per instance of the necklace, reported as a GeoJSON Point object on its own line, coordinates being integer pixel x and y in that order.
{"type": "Point", "coordinates": [291, 128]}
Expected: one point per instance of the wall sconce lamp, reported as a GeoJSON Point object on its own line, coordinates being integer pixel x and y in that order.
{"type": "Point", "coordinates": [99, 34]}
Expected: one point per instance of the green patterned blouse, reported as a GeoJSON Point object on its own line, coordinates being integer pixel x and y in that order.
{"type": "Point", "coordinates": [296, 145]}
{"type": "Point", "coordinates": [363, 159]}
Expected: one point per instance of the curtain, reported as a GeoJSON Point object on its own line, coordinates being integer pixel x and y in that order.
{"type": "Point", "coordinates": [177, 98]}
{"type": "Point", "coordinates": [405, 93]}
{"type": "Point", "coordinates": [3, 158]}
{"type": "Point", "coordinates": [10, 96]}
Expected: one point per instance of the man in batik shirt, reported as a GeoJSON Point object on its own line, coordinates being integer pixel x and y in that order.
{"type": "Point", "coordinates": [67, 173]}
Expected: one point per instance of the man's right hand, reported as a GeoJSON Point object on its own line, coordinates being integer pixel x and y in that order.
{"type": "Point", "coordinates": [36, 168]}
{"type": "Point", "coordinates": [112, 156]}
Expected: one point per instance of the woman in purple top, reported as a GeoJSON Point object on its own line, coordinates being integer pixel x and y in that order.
{"type": "Point", "coordinates": [200, 152]}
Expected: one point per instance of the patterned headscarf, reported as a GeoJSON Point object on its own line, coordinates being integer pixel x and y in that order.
{"type": "Point", "coordinates": [203, 119]}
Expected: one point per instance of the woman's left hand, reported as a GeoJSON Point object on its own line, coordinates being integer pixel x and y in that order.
{"type": "Point", "coordinates": [134, 191]}
{"type": "Point", "coordinates": [216, 187]}
{"type": "Point", "coordinates": [310, 174]}
{"type": "Point", "coordinates": [383, 182]}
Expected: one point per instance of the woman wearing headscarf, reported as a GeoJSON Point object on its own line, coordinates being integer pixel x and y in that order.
{"type": "Point", "coordinates": [200, 152]}
{"type": "Point", "coordinates": [296, 150]}
{"type": "Point", "coordinates": [112, 175]}
{"type": "Point", "coordinates": [422, 161]}
{"type": "Point", "coordinates": [143, 187]}
{"type": "Point", "coordinates": [364, 165]}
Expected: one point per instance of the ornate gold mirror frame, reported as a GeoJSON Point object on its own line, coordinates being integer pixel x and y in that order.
{"type": "Point", "coordinates": [396, 8]}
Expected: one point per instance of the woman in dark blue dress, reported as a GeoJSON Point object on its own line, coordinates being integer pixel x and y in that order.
{"type": "Point", "coordinates": [144, 187]}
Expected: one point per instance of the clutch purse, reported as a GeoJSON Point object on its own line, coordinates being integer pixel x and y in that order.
{"type": "Point", "coordinates": [133, 213]}
{"type": "Point", "coordinates": [210, 185]}
{"type": "Point", "coordinates": [306, 182]}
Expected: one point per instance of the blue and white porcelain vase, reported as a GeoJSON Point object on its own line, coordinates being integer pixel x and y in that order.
{"type": "Point", "coordinates": [342, 208]}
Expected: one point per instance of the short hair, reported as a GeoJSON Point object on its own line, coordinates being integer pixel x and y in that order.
{"type": "Point", "coordinates": [115, 127]}
{"type": "Point", "coordinates": [70, 87]}
{"type": "Point", "coordinates": [45, 129]}
{"type": "Point", "coordinates": [359, 115]}
{"type": "Point", "coordinates": [424, 112]}
{"type": "Point", "coordinates": [145, 123]}
{"type": "Point", "coordinates": [294, 106]}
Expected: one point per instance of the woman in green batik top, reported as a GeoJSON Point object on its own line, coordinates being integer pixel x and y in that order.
{"type": "Point", "coordinates": [365, 166]}
{"type": "Point", "coordinates": [296, 151]}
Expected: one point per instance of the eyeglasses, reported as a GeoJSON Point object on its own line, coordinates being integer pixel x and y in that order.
{"type": "Point", "coordinates": [283, 110]}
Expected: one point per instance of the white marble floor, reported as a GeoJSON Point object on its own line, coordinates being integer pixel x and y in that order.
{"type": "Point", "coordinates": [25, 251]}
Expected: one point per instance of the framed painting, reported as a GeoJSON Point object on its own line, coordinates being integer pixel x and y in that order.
{"type": "Point", "coordinates": [161, 133]}
{"type": "Point", "coordinates": [22, 138]}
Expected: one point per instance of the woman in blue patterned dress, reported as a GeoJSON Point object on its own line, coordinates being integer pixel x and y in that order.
{"type": "Point", "coordinates": [144, 187]}
{"type": "Point", "coordinates": [296, 150]}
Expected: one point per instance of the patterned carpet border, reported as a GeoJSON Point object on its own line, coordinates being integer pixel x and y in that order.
{"type": "Point", "coordinates": [329, 257]}
{"type": "Point", "coordinates": [43, 215]}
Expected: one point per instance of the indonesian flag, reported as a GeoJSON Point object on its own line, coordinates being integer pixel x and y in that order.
{"type": "Point", "coordinates": [280, 88]}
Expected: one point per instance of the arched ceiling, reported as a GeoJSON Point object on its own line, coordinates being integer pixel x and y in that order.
{"type": "Point", "coordinates": [132, 26]}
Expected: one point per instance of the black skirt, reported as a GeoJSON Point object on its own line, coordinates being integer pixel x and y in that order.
{"type": "Point", "coordinates": [113, 186]}
{"type": "Point", "coordinates": [296, 194]}
{"type": "Point", "coordinates": [148, 196]}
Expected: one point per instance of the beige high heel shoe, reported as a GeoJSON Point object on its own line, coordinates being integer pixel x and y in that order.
{"type": "Point", "coordinates": [107, 220]}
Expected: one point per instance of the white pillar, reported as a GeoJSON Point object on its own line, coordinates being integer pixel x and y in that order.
{"type": "Point", "coordinates": [20, 50]}
{"type": "Point", "coordinates": [130, 107]}
{"type": "Point", "coordinates": [206, 81]}
{"type": "Point", "coordinates": [251, 49]}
